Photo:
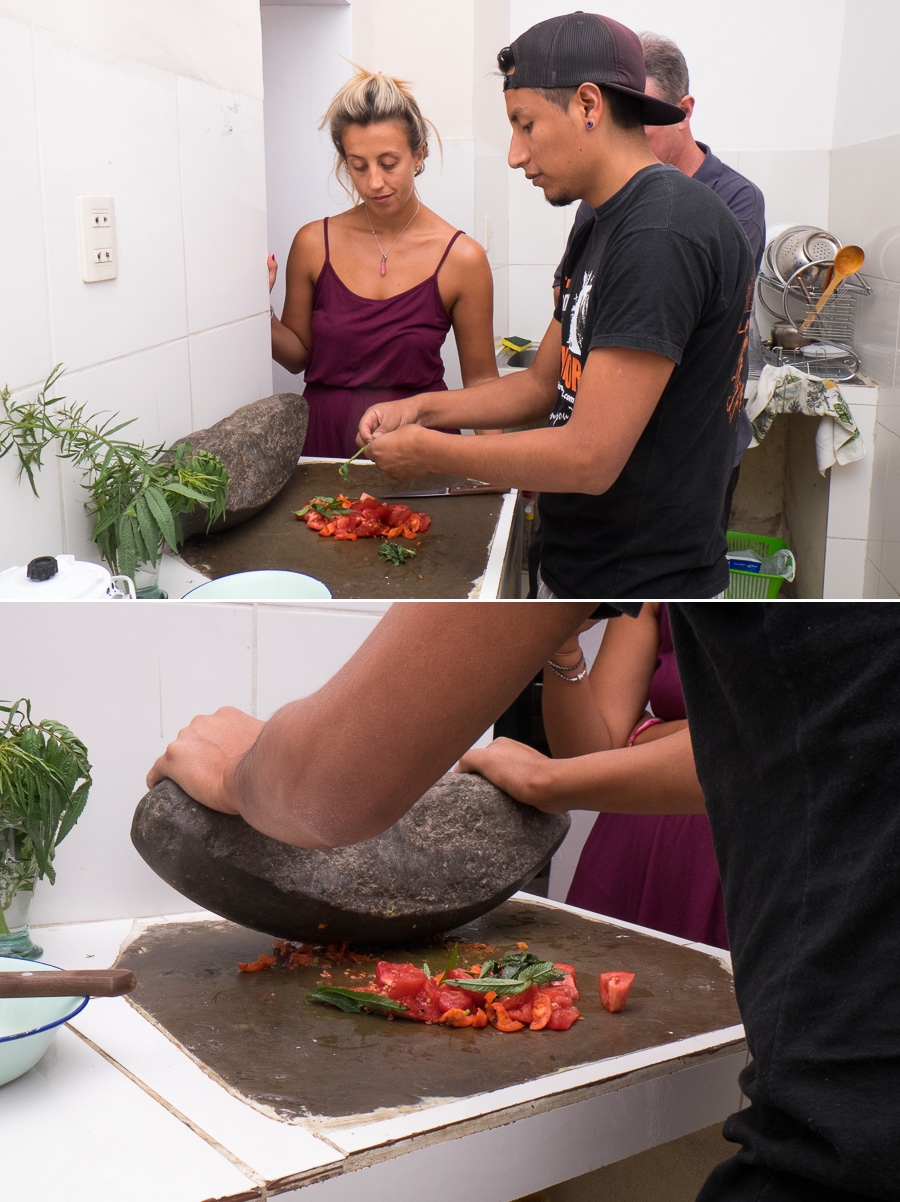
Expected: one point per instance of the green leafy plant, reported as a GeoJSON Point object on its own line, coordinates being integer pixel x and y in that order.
{"type": "Point", "coordinates": [45, 778]}
{"type": "Point", "coordinates": [135, 492]}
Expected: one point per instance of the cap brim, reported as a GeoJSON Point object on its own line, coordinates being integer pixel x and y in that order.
{"type": "Point", "coordinates": [656, 112]}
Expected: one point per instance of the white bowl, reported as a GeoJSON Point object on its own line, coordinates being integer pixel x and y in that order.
{"type": "Point", "coordinates": [28, 1025]}
{"type": "Point", "coordinates": [268, 585]}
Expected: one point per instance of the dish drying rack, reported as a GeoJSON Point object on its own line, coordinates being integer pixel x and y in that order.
{"type": "Point", "coordinates": [831, 354]}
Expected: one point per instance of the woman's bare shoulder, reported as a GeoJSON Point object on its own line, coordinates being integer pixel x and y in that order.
{"type": "Point", "coordinates": [468, 252]}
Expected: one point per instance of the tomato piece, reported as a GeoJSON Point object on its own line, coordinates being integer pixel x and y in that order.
{"type": "Point", "coordinates": [424, 522]}
{"type": "Point", "coordinates": [425, 1006]}
{"type": "Point", "coordinates": [520, 1006]}
{"type": "Point", "coordinates": [614, 990]}
{"type": "Point", "coordinates": [542, 1010]}
{"type": "Point", "coordinates": [258, 964]}
{"type": "Point", "coordinates": [568, 981]}
{"type": "Point", "coordinates": [398, 981]}
{"type": "Point", "coordinates": [462, 998]}
{"type": "Point", "coordinates": [368, 528]}
{"type": "Point", "coordinates": [397, 514]}
{"type": "Point", "coordinates": [498, 1017]}
{"type": "Point", "coordinates": [562, 1018]}
{"type": "Point", "coordinates": [458, 1018]}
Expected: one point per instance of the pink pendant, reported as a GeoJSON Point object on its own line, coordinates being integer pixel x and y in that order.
{"type": "Point", "coordinates": [384, 264]}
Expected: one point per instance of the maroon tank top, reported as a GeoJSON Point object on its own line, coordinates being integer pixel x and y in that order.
{"type": "Point", "coordinates": [357, 342]}
{"type": "Point", "coordinates": [366, 351]}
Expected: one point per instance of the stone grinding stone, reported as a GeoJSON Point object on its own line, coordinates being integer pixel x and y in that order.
{"type": "Point", "coordinates": [462, 849]}
{"type": "Point", "coordinates": [259, 444]}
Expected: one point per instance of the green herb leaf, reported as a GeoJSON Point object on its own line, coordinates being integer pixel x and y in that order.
{"type": "Point", "coordinates": [395, 554]}
{"type": "Point", "coordinates": [344, 469]}
{"type": "Point", "coordinates": [354, 1001]}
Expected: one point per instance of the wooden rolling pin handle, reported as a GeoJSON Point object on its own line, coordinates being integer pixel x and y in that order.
{"type": "Point", "coordinates": [76, 982]}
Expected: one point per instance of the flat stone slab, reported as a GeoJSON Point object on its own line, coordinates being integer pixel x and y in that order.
{"type": "Point", "coordinates": [462, 849]}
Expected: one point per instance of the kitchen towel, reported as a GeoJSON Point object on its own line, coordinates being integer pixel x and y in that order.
{"type": "Point", "coordinates": [785, 390]}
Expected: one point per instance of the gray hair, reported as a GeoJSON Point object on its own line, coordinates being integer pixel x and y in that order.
{"type": "Point", "coordinates": [664, 62]}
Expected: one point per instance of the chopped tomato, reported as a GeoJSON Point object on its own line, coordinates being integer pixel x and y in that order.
{"type": "Point", "coordinates": [498, 1017]}
{"type": "Point", "coordinates": [399, 981]}
{"type": "Point", "coordinates": [520, 1006]}
{"type": "Point", "coordinates": [458, 1018]}
{"type": "Point", "coordinates": [614, 990]}
{"type": "Point", "coordinates": [258, 964]}
{"type": "Point", "coordinates": [568, 981]}
{"type": "Point", "coordinates": [451, 999]}
{"type": "Point", "coordinates": [425, 1006]}
{"type": "Point", "coordinates": [541, 1011]}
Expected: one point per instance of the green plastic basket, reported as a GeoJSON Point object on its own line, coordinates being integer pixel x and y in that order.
{"type": "Point", "coordinates": [753, 585]}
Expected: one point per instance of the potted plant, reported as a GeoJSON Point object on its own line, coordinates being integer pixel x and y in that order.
{"type": "Point", "coordinates": [45, 778]}
{"type": "Point", "coordinates": [135, 492]}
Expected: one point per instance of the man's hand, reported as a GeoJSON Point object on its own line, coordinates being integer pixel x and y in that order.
{"type": "Point", "coordinates": [519, 770]}
{"type": "Point", "coordinates": [205, 755]}
{"type": "Point", "coordinates": [384, 418]}
{"type": "Point", "coordinates": [403, 453]}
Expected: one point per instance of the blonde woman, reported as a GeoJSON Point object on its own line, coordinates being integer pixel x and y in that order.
{"type": "Point", "coordinates": [373, 292]}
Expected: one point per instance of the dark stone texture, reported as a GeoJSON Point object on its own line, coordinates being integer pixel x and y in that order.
{"type": "Point", "coordinates": [259, 444]}
{"type": "Point", "coordinates": [458, 853]}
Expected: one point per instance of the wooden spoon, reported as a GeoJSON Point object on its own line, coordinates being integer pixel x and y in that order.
{"type": "Point", "coordinates": [847, 262]}
{"type": "Point", "coordinates": [76, 982]}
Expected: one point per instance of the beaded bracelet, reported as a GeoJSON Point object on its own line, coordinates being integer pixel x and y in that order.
{"type": "Point", "coordinates": [640, 729]}
{"type": "Point", "coordinates": [580, 667]}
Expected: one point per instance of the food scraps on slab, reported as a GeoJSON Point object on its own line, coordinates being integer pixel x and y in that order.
{"type": "Point", "coordinates": [516, 992]}
{"type": "Point", "coordinates": [344, 519]}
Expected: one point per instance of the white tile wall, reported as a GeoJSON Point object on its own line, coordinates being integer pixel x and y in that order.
{"type": "Point", "coordinates": [448, 186]}
{"type": "Point", "coordinates": [537, 230]}
{"type": "Point", "coordinates": [217, 43]}
{"type": "Point", "coordinates": [889, 452]}
{"type": "Point", "coordinates": [231, 365]}
{"type": "Point", "coordinates": [159, 107]}
{"type": "Point", "coordinates": [794, 183]}
{"type": "Point", "coordinates": [24, 328]}
{"type": "Point", "coordinates": [126, 677]}
{"type": "Point", "coordinates": [223, 191]}
{"type": "Point", "coordinates": [88, 114]}
{"type": "Point", "coordinates": [845, 566]}
{"type": "Point", "coordinates": [530, 301]}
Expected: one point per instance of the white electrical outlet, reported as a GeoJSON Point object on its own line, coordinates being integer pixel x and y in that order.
{"type": "Point", "coordinates": [97, 238]}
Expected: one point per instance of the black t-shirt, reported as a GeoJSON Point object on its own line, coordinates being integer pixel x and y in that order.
{"type": "Point", "coordinates": [663, 267]}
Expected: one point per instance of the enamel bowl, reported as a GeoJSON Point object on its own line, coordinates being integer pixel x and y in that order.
{"type": "Point", "coordinates": [264, 585]}
{"type": "Point", "coordinates": [28, 1025]}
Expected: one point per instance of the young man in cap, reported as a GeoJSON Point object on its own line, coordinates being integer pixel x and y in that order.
{"type": "Point", "coordinates": [640, 371]}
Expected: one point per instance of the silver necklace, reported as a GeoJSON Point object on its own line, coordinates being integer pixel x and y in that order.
{"type": "Point", "coordinates": [385, 253]}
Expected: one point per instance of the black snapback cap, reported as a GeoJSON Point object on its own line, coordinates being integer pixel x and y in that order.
{"type": "Point", "coordinates": [565, 52]}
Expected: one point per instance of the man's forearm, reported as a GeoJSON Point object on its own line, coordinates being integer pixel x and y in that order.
{"type": "Point", "coordinates": [317, 775]}
{"type": "Point", "coordinates": [550, 459]}
{"type": "Point", "coordinates": [513, 400]}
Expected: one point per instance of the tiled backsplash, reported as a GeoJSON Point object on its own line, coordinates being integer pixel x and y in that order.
{"type": "Point", "coordinates": [161, 108]}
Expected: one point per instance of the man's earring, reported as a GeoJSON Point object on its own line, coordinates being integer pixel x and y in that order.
{"type": "Point", "coordinates": [590, 124]}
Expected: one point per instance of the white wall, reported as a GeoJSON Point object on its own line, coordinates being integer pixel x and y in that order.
{"type": "Point", "coordinates": [125, 678]}
{"type": "Point", "coordinates": [160, 106]}
{"type": "Point", "coordinates": [304, 52]}
{"type": "Point", "coordinates": [865, 182]}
